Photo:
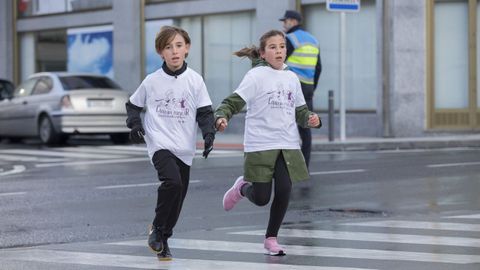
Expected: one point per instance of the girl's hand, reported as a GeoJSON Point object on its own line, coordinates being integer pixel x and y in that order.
{"type": "Point", "coordinates": [221, 124]}
{"type": "Point", "coordinates": [313, 120]}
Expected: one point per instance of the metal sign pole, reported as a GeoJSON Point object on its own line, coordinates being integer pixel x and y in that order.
{"type": "Point", "coordinates": [343, 67]}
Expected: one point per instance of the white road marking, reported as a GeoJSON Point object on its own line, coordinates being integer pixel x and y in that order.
{"type": "Point", "coordinates": [110, 161]}
{"type": "Point", "coordinates": [93, 150]}
{"type": "Point", "coordinates": [93, 162]}
{"type": "Point", "coordinates": [145, 262]}
{"type": "Point", "coordinates": [57, 154]}
{"type": "Point", "coordinates": [376, 237]}
{"type": "Point", "coordinates": [370, 254]}
{"type": "Point", "coordinates": [420, 225]}
{"type": "Point", "coordinates": [12, 193]}
{"type": "Point", "coordinates": [453, 164]}
{"type": "Point", "coordinates": [16, 169]}
{"type": "Point", "coordinates": [11, 157]}
{"type": "Point", "coordinates": [338, 172]}
{"type": "Point", "coordinates": [472, 216]}
{"type": "Point", "coordinates": [126, 148]}
{"type": "Point", "coordinates": [138, 185]}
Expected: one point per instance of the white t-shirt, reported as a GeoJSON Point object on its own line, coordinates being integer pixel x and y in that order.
{"type": "Point", "coordinates": [271, 96]}
{"type": "Point", "coordinates": [171, 106]}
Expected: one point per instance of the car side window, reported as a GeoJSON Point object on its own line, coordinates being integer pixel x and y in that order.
{"type": "Point", "coordinates": [25, 89]}
{"type": "Point", "coordinates": [43, 86]}
{"type": "Point", "coordinates": [6, 90]}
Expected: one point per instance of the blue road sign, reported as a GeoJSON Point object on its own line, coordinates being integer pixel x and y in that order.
{"type": "Point", "coordinates": [343, 5]}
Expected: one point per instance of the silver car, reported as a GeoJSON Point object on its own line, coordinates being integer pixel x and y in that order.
{"type": "Point", "coordinates": [53, 106]}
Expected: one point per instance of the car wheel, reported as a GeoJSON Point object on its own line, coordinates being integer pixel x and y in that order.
{"type": "Point", "coordinates": [119, 138]}
{"type": "Point", "coordinates": [47, 133]}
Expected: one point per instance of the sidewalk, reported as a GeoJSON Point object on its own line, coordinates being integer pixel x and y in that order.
{"type": "Point", "coordinates": [321, 143]}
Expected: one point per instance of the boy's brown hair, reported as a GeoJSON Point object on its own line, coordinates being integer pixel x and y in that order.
{"type": "Point", "coordinates": [167, 34]}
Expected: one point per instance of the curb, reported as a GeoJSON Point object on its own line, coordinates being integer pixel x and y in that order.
{"type": "Point", "coordinates": [394, 145]}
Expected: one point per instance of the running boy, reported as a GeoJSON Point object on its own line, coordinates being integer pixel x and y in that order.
{"type": "Point", "coordinates": [275, 105]}
{"type": "Point", "coordinates": [175, 98]}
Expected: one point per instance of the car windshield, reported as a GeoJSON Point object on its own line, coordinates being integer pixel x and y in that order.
{"type": "Point", "coordinates": [87, 82]}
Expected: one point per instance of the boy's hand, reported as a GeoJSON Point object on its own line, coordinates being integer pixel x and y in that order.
{"type": "Point", "coordinates": [221, 124]}
{"type": "Point", "coordinates": [209, 138]}
{"type": "Point", "coordinates": [314, 120]}
{"type": "Point", "coordinates": [136, 134]}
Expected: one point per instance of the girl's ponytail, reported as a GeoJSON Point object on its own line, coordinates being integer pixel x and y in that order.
{"type": "Point", "coordinates": [250, 52]}
{"type": "Point", "coordinates": [253, 52]}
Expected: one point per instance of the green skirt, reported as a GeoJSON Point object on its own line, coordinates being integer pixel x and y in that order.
{"type": "Point", "coordinates": [259, 166]}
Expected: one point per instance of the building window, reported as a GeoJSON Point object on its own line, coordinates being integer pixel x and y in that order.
{"type": "Point", "coordinates": [42, 51]}
{"type": "Point", "coordinates": [27, 8]}
{"type": "Point", "coordinates": [361, 86]}
{"type": "Point", "coordinates": [451, 55]}
{"type": "Point", "coordinates": [223, 35]}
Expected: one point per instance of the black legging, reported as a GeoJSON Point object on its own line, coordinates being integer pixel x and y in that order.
{"type": "Point", "coordinates": [259, 194]}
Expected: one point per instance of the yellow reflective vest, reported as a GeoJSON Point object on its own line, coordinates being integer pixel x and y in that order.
{"type": "Point", "coordinates": [304, 58]}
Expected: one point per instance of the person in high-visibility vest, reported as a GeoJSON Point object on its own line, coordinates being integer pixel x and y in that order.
{"type": "Point", "coordinates": [303, 58]}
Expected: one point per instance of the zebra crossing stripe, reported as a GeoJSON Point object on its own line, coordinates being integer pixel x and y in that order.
{"type": "Point", "coordinates": [370, 254]}
{"type": "Point", "coordinates": [376, 237]}
{"type": "Point", "coordinates": [145, 262]}
{"type": "Point", "coordinates": [472, 216]}
{"type": "Point", "coordinates": [419, 225]}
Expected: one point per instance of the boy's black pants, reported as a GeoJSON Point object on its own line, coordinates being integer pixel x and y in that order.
{"type": "Point", "coordinates": [175, 176]}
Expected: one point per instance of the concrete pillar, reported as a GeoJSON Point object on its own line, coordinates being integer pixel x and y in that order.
{"type": "Point", "coordinates": [6, 40]}
{"type": "Point", "coordinates": [127, 43]}
{"type": "Point", "coordinates": [407, 68]}
{"type": "Point", "coordinates": [268, 13]}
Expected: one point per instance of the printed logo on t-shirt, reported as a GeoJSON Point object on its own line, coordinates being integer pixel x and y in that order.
{"type": "Point", "coordinates": [172, 106]}
{"type": "Point", "coordinates": [281, 98]}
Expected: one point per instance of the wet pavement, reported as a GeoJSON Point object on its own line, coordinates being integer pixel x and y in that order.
{"type": "Point", "coordinates": [88, 206]}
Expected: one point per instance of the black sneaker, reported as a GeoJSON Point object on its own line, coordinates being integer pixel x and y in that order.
{"type": "Point", "coordinates": [165, 255]}
{"type": "Point", "coordinates": [155, 239]}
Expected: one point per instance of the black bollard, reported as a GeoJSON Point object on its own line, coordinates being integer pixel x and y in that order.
{"type": "Point", "coordinates": [331, 113]}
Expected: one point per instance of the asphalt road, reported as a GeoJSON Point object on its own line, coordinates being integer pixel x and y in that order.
{"type": "Point", "coordinates": [87, 206]}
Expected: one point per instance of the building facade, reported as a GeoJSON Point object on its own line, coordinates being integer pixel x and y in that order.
{"type": "Point", "coordinates": [411, 67]}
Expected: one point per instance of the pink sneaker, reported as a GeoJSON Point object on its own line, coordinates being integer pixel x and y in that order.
{"type": "Point", "coordinates": [272, 247]}
{"type": "Point", "coordinates": [233, 195]}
